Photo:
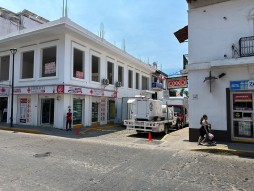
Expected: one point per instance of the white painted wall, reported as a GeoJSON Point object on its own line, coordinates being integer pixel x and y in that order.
{"type": "Point", "coordinates": [210, 38]}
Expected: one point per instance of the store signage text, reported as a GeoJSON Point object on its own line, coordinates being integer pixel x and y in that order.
{"type": "Point", "coordinates": [180, 82]}
{"type": "Point", "coordinates": [242, 85]}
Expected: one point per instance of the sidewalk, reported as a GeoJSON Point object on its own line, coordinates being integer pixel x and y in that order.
{"type": "Point", "coordinates": [75, 133]}
{"type": "Point", "coordinates": [177, 140]}
{"type": "Point", "coordinates": [180, 140]}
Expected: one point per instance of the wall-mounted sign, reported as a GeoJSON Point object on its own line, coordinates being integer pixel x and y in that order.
{"type": "Point", "coordinates": [178, 82]}
{"type": "Point", "coordinates": [239, 85]}
{"type": "Point", "coordinates": [238, 115]}
{"type": "Point", "coordinates": [242, 97]}
{"type": "Point", "coordinates": [157, 85]}
{"type": "Point", "coordinates": [79, 74]}
{"type": "Point", "coordinates": [50, 68]}
{"type": "Point", "coordinates": [4, 91]}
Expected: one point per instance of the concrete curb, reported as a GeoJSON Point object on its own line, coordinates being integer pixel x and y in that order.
{"type": "Point", "coordinates": [22, 130]}
{"type": "Point", "coordinates": [221, 151]}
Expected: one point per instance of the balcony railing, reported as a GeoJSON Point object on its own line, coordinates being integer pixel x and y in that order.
{"type": "Point", "coordinates": [246, 45]}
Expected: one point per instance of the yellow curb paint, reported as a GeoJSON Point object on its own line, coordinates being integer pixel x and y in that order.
{"type": "Point", "coordinates": [99, 129]}
{"type": "Point", "coordinates": [243, 140]}
{"type": "Point", "coordinates": [165, 136]}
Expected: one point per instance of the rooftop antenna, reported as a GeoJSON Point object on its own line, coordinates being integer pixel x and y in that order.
{"type": "Point", "coordinates": [155, 65]}
{"type": "Point", "coordinates": [102, 31]}
{"type": "Point", "coordinates": [65, 8]}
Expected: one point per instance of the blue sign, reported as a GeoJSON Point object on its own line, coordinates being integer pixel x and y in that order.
{"type": "Point", "coordinates": [156, 85]}
{"type": "Point", "coordinates": [239, 85]}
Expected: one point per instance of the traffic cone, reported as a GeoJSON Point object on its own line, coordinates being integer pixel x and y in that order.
{"type": "Point", "coordinates": [150, 137]}
{"type": "Point", "coordinates": [77, 131]}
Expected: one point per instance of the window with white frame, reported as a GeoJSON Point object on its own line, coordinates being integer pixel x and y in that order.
{"type": "Point", "coordinates": [144, 83]}
{"type": "Point", "coordinates": [4, 68]}
{"type": "Point", "coordinates": [137, 81]}
{"type": "Point", "coordinates": [95, 68]}
{"type": "Point", "coordinates": [120, 74]}
{"type": "Point", "coordinates": [78, 63]}
{"type": "Point", "coordinates": [27, 68]}
{"type": "Point", "coordinates": [49, 62]}
{"type": "Point", "coordinates": [130, 79]}
{"type": "Point", "coordinates": [110, 72]}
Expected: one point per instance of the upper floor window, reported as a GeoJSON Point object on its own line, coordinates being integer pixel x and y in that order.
{"type": "Point", "coordinates": [78, 63]}
{"type": "Point", "coordinates": [130, 79]}
{"type": "Point", "coordinates": [120, 74]}
{"type": "Point", "coordinates": [49, 62]}
{"type": "Point", "coordinates": [27, 68]}
{"type": "Point", "coordinates": [4, 68]}
{"type": "Point", "coordinates": [110, 72]}
{"type": "Point", "coordinates": [144, 83]}
{"type": "Point", "coordinates": [137, 81]}
{"type": "Point", "coordinates": [95, 68]}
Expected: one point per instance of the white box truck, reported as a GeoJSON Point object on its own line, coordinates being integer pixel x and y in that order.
{"type": "Point", "coordinates": [148, 115]}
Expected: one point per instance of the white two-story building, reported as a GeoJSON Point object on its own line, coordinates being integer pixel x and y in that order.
{"type": "Point", "coordinates": [221, 67]}
{"type": "Point", "coordinates": [60, 65]}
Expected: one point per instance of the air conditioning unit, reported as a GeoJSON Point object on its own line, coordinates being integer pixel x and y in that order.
{"type": "Point", "coordinates": [105, 82]}
{"type": "Point", "coordinates": [118, 84]}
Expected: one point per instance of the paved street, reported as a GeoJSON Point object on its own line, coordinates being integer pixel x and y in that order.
{"type": "Point", "coordinates": [41, 162]}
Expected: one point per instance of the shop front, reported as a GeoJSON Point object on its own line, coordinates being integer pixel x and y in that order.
{"type": "Point", "coordinates": [242, 114]}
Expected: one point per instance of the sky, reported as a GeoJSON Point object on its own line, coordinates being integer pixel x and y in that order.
{"type": "Point", "coordinates": [144, 27]}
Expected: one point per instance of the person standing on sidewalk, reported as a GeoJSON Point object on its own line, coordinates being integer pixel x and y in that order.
{"type": "Point", "coordinates": [68, 120]}
{"type": "Point", "coordinates": [5, 114]}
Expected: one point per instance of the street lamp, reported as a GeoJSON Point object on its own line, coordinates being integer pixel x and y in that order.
{"type": "Point", "coordinates": [13, 52]}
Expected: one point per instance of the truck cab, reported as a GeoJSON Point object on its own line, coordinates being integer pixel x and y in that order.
{"type": "Point", "coordinates": [180, 107]}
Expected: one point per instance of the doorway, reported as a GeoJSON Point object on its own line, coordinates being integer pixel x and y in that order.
{"type": "Point", "coordinates": [3, 109]}
{"type": "Point", "coordinates": [47, 111]}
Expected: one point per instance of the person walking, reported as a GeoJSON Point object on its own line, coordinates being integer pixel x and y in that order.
{"type": "Point", "coordinates": [68, 120]}
{"type": "Point", "coordinates": [203, 130]}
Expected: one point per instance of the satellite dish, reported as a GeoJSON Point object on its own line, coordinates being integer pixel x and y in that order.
{"type": "Point", "coordinates": [155, 65]}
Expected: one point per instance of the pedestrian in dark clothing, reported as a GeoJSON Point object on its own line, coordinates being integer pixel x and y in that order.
{"type": "Point", "coordinates": [203, 130]}
{"type": "Point", "coordinates": [68, 120]}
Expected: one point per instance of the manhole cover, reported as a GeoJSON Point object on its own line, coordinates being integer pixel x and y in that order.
{"type": "Point", "coordinates": [42, 155]}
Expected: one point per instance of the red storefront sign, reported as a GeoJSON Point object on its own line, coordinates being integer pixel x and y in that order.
{"type": "Point", "coordinates": [242, 97]}
{"type": "Point", "coordinates": [60, 89]}
{"type": "Point", "coordinates": [179, 82]}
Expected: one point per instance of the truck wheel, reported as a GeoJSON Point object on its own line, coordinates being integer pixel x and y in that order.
{"type": "Point", "coordinates": [166, 129]}
{"type": "Point", "coordinates": [179, 125]}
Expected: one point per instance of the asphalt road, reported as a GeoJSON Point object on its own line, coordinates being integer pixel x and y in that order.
{"type": "Point", "coordinates": [39, 162]}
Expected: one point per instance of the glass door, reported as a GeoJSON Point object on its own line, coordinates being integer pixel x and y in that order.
{"type": "Point", "coordinates": [243, 115]}
{"type": "Point", "coordinates": [47, 111]}
{"type": "Point", "coordinates": [95, 112]}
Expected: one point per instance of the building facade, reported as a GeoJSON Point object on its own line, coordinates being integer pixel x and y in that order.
{"type": "Point", "coordinates": [221, 67]}
{"type": "Point", "coordinates": [11, 22]}
{"type": "Point", "coordinates": [60, 65]}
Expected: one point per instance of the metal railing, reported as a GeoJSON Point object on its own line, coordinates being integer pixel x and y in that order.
{"type": "Point", "coordinates": [246, 45]}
